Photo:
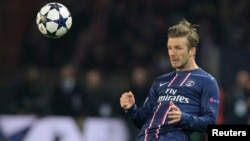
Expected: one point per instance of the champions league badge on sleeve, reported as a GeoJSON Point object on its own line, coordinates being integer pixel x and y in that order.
{"type": "Point", "coordinates": [212, 100]}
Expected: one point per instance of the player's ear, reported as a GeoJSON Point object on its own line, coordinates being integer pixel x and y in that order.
{"type": "Point", "coordinates": [192, 51]}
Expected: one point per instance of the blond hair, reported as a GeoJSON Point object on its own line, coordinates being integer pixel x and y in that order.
{"type": "Point", "coordinates": [185, 29]}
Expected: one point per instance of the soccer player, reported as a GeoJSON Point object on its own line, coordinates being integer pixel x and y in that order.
{"type": "Point", "coordinates": [179, 102]}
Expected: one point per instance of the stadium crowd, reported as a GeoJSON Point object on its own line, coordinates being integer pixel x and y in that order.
{"type": "Point", "coordinates": [113, 46]}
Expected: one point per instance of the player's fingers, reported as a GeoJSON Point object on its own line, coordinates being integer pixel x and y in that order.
{"type": "Point", "coordinates": [130, 94]}
{"type": "Point", "coordinates": [124, 96]}
{"type": "Point", "coordinates": [172, 121]}
{"type": "Point", "coordinates": [130, 97]}
{"type": "Point", "coordinates": [124, 106]}
{"type": "Point", "coordinates": [175, 108]}
{"type": "Point", "coordinates": [171, 103]}
{"type": "Point", "coordinates": [127, 100]}
{"type": "Point", "coordinates": [124, 100]}
{"type": "Point", "coordinates": [174, 112]}
{"type": "Point", "coordinates": [173, 116]}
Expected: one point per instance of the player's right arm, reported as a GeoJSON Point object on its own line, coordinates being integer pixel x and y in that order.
{"type": "Point", "coordinates": [138, 115]}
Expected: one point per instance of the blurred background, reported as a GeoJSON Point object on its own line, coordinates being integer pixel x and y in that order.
{"type": "Point", "coordinates": [113, 46]}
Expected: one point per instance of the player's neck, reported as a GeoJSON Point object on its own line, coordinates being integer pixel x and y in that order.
{"type": "Point", "coordinates": [188, 67]}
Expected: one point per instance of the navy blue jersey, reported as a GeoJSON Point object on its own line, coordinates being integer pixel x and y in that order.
{"type": "Point", "coordinates": [195, 92]}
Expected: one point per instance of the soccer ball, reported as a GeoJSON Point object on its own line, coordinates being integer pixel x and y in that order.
{"type": "Point", "coordinates": [54, 20]}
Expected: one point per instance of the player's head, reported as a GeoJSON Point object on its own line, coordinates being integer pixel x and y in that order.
{"type": "Point", "coordinates": [182, 43]}
{"type": "Point", "coordinates": [185, 29]}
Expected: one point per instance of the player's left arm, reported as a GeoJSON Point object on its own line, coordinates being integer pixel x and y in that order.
{"type": "Point", "coordinates": [208, 114]}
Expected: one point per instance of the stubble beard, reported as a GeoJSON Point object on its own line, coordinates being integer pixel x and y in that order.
{"type": "Point", "coordinates": [182, 66]}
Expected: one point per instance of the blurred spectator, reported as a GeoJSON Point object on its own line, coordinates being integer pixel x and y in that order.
{"type": "Point", "coordinates": [99, 100]}
{"type": "Point", "coordinates": [67, 98]}
{"type": "Point", "coordinates": [31, 96]}
{"type": "Point", "coordinates": [139, 84]}
{"type": "Point", "coordinates": [236, 100]}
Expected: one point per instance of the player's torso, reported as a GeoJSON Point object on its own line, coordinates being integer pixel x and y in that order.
{"type": "Point", "coordinates": [184, 89]}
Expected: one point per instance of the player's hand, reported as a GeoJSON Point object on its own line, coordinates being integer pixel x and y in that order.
{"type": "Point", "coordinates": [174, 114]}
{"type": "Point", "coordinates": [127, 100]}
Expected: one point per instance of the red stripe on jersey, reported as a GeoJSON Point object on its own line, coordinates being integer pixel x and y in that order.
{"type": "Point", "coordinates": [184, 80]}
{"type": "Point", "coordinates": [172, 80]}
{"type": "Point", "coordinates": [163, 121]}
{"type": "Point", "coordinates": [151, 122]}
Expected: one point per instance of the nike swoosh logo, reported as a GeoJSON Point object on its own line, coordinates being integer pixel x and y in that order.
{"type": "Point", "coordinates": [161, 84]}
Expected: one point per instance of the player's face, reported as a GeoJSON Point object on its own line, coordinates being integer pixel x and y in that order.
{"type": "Point", "coordinates": [179, 53]}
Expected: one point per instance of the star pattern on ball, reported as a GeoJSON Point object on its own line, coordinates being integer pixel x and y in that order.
{"type": "Point", "coordinates": [43, 20]}
{"type": "Point", "coordinates": [54, 20]}
{"type": "Point", "coordinates": [61, 22]}
{"type": "Point", "coordinates": [49, 34]}
{"type": "Point", "coordinates": [54, 6]}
